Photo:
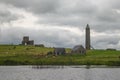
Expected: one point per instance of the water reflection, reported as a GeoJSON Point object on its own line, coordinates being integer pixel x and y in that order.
{"type": "Point", "coordinates": [47, 67]}
{"type": "Point", "coordinates": [58, 73]}
{"type": "Point", "coordinates": [72, 66]}
{"type": "Point", "coordinates": [59, 67]}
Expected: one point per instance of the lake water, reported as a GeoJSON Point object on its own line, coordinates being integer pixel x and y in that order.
{"type": "Point", "coordinates": [58, 73]}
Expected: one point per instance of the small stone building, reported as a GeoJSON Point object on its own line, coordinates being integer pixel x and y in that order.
{"type": "Point", "coordinates": [26, 41]}
{"type": "Point", "coordinates": [59, 51]}
{"type": "Point", "coordinates": [31, 42]}
{"type": "Point", "coordinates": [78, 49]}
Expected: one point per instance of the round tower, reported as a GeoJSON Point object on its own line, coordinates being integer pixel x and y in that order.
{"type": "Point", "coordinates": [87, 43]}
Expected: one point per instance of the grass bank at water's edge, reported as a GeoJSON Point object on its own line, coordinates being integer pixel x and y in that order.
{"type": "Point", "coordinates": [31, 55]}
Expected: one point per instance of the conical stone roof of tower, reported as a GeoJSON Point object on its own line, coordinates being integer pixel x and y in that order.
{"type": "Point", "coordinates": [87, 26]}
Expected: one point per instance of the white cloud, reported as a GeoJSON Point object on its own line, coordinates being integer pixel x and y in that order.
{"type": "Point", "coordinates": [61, 22]}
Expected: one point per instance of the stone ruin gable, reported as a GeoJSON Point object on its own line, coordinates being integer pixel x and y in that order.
{"type": "Point", "coordinates": [31, 42]}
{"type": "Point", "coordinates": [26, 41]}
{"type": "Point", "coordinates": [59, 51]}
{"type": "Point", "coordinates": [78, 49]}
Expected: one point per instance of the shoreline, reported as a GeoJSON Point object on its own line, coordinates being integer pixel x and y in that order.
{"type": "Point", "coordinates": [31, 55]}
{"type": "Point", "coordinates": [61, 66]}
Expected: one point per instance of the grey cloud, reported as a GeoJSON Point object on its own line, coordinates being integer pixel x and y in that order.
{"type": "Point", "coordinates": [113, 40]}
{"type": "Point", "coordinates": [57, 11]}
{"type": "Point", "coordinates": [106, 27]}
{"type": "Point", "coordinates": [7, 16]}
{"type": "Point", "coordinates": [106, 41]}
{"type": "Point", "coordinates": [68, 12]}
{"type": "Point", "coordinates": [108, 17]}
{"type": "Point", "coordinates": [102, 17]}
{"type": "Point", "coordinates": [37, 6]}
{"type": "Point", "coordinates": [86, 11]}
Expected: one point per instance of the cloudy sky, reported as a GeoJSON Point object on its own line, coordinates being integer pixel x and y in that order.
{"type": "Point", "coordinates": [61, 23]}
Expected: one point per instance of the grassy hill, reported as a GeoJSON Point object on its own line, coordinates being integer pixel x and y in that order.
{"type": "Point", "coordinates": [31, 55]}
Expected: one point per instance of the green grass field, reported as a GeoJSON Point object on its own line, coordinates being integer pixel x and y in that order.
{"type": "Point", "coordinates": [31, 55]}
